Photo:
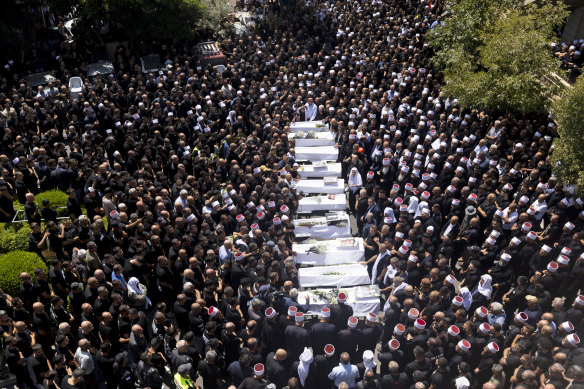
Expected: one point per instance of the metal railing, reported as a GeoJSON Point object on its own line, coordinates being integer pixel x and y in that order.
{"type": "Point", "coordinates": [16, 218]}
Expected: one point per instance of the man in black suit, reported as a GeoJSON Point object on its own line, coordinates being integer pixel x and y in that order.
{"type": "Point", "coordinates": [323, 332]}
{"type": "Point", "coordinates": [395, 379]}
{"type": "Point", "coordinates": [340, 312]}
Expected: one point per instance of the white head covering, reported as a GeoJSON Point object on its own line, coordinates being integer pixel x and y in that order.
{"type": "Point", "coordinates": [305, 360]}
{"type": "Point", "coordinates": [486, 289]}
{"type": "Point", "coordinates": [388, 211]}
{"type": "Point", "coordinates": [232, 117]}
{"type": "Point", "coordinates": [368, 361]}
{"type": "Point", "coordinates": [413, 206]}
{"type": "Point", "coordinates": [421, 206]}
{"type": "Point", "coordinates": [355, 179]}
{"type": "Point", "coordinates": [466, 298]}
{"type": "Point", "coordinates": [134, 286]}
{"type": "Point", "coordinates": [462, 383]}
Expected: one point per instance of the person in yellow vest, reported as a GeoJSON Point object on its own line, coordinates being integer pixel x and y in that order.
{"type": "Point", "coordinates": [182, 379]}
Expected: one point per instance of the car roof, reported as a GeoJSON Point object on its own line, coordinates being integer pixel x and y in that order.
{"type": "Point", "coordinates": [42, 78]}
{"type": "Point", "coordinates": [208, 48]}
{"type": "Point", "coordinates": [96, 69]}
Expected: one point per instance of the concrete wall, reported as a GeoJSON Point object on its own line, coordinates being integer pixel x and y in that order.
{"type": "Point", "coordinates": [110, 48]}
{"type": "Point", "coordinates": [574, 28]}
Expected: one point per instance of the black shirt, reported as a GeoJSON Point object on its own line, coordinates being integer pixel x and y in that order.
{"type": "Point", "coordinates": [7, 206]}
{"type": "Point", "coordinates": [399, 381]}
{"type": "Point", "coordinates": [40, 287]}
{"type": "Point", "coordinates": [29, 210]}
{"type": "Point", "coordinates": [276, 371]}
{"type": "Point", "coordinates": [65, 384]}
{"type": "Point", "coordinates": [252, 383]}
{"type": "Point", "coordinates": [49, 214]}
{"type": "Point", "coordinates": [210, 373]}
{"type": "Point", "coordinates": [109, 333]}
{"type": "Point", "coordinates": [90, 205]}
{"type": "Point", "coordinates": [106, 363]}
{"type": "Point", "coordinates": [42, 321]}
{"type": "Point", "coordinates": [73, 207]}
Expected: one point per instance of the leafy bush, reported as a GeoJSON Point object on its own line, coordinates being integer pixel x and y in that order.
{"type": "Point", "coordinates": [215, 13]}
{"type": "Point", "coordinates": [568, 155]}
{"type": "Point", "coordinates": [13, 237]}
{"type": "Point", "coordinates": [57, 199]}
{"type": "Point", "coordinates": [12, 264]}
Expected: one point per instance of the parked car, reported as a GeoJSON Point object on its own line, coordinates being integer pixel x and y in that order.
{"type": "Point", "coordinates": [209, 53]}
{"type": "Point", "coordinates": [243, 23]}
{"type": "Point", "coordinates": [40, 79]}
{"type": "Point", "coordinates": [104, 70]}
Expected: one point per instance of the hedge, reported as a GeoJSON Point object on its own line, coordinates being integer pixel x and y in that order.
{"type": "Point", "coordinates": [14, 263]}
{"type": "Point", "coordinates": [56, 197]}
{"type": "Point", "coordinates": [13, 237]}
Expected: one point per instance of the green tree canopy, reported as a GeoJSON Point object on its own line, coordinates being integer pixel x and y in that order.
{"type": "Point", "coordinates": [568, 154]}
{"type": "Point", "coordinates": [458, 36]}
{"type": "Point", "coordinates": [145, 19]}
{"type": "Point", "coordinates": [496, 55]}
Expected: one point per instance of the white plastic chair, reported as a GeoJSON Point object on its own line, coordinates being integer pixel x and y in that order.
{"type": "Point", "coordinates": [76, 86]}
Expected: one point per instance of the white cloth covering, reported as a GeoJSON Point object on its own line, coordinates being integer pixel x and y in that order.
{"type": "Point", "coordinates": [305, 359]}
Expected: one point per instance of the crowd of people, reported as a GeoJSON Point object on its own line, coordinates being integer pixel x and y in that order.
{"type": "Point", "coordinates": [176, 262]}
{"type": "Point", "coordinates": [571, 57]}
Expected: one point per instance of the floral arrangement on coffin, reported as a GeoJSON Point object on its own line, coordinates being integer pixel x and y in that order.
{"type": "Point", "coordinates": [333, 273]}
{"type": "Point", "coordinates": [320, 125]}
{"type": "Point", "coordinates": [318, 249]}
{"type": "Point", "coordinates": [299, 135]}
{"type": "Point", "coordinates": [310, 135]}
{"type": "Point", "coordinates": [338, 223]}
{"type": "Point", "coordinates": [310, 224]}
{"type": "Point", "coordinates": [326, 296]}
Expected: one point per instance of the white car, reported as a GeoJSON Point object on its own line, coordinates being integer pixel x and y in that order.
{"type": "Point", "coordinates": [243, 23]}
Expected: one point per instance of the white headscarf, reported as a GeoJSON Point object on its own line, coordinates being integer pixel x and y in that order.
{"type": "Point", "coordinates": [462, 383]}
{"type": "Point", "coordinates": [421, 206]}
{"type": "Point", "coordinates": [388, 211]}
{"type": "Point", "coordinates": [466, 298]}
{"type": "Point", "coordinates": [355, 179]}
{"type": "Point", "coordinates": [413, 206]}
{"type": "Point", "coordinates": [232, 117]}
{"type": "Point", "coordinates": [305, 360]}
{"type": "Point", "coordinates": [486, 289]}
{"type": "Point", "coordinates": [134, 285]}
{"type": "Point", "coordinates": [368, 361]}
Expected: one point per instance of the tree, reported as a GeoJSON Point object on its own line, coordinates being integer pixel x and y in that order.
{"type": "Point", "coordinates": [568, 153]}
{"type": "Point", "coordinates": [458, 35]}
{"type": "Point", "coordinates": [15, 21]}
{"type": "Point", "coordinates": [500, 54]}
{"type": "Point", "coordinates": [144, 19]}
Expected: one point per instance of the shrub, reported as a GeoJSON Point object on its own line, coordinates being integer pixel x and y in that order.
{"type": "Point", "coordinates": [14, 263]}
{"type": "Point", "coordinates": [57, 199]}
{"type": "Point", "coordinates": [13, 237]}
